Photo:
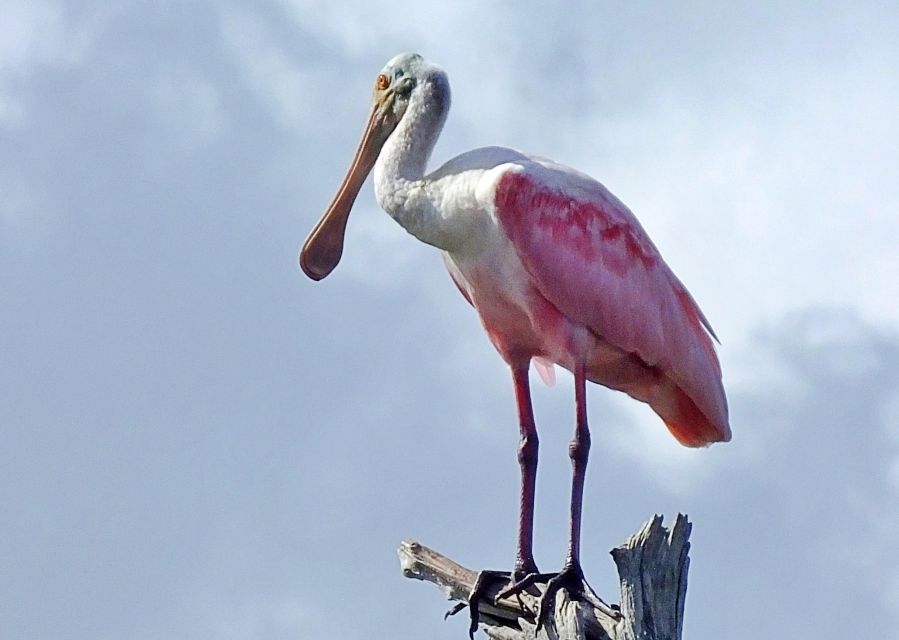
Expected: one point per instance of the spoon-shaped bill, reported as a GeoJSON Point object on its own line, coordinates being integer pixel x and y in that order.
{"type": "Point", "coordinates": [324, 246]}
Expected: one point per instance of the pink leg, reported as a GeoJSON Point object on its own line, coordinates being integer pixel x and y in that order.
{"type": "Point", "coordinates": [571, 577]}
{"type": "Point", "coordinates": [527, 458]}
{"type": "Point", "coordinates": [579, 452]}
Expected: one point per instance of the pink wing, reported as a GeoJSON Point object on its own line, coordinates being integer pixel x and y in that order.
{"type": "Point", "coordinates": [589, 256]}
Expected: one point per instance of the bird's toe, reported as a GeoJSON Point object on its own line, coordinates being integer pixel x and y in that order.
{"type": "Point", "coordinates": [485, 580]}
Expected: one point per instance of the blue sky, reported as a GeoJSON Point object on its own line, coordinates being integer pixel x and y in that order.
{"type": "Point", "coordinates": [199, 442]}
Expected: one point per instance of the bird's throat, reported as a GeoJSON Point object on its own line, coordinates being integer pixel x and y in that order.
{"type": "Point", "coordinates": [401, 186]}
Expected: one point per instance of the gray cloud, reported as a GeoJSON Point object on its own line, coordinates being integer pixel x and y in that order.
{"type": "Point", "coordinates": [189, 425]}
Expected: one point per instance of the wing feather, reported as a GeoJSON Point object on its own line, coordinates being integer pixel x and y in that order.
{"type": "Point", "coordinates": [590, 257]}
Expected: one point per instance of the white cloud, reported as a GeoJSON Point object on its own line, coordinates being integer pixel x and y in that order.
{"type": "Point", "coordinates": [31, 32]}
{"type": "Point", "coordinates": [761, 212]}
{"type": "Point", "coordinates": [34, 34]}
{"type": "Point", "coordinates": [775, 138]}
{"type": "Point", "coordinates": [290, 88]}
{"type": "Point", "coordinates": [364, 28]}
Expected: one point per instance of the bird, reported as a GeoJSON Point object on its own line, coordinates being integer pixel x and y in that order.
{"type": "Point", "coordinates": [559, 271]}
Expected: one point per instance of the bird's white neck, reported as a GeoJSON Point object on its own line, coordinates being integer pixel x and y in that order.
{"type": "Point", "coordinates": [401, 186]}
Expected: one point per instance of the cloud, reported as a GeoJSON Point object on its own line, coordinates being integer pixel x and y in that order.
{"type": "Point", "coordinates": [33, 32]}
{"type": "Point", "coordinates": [190, 424]}
{"type": "Point", "coordinates": [36, 35]}
{"type": "Point", "coordinates": [292, 85]}
{"type": "Point", "coordinates": [829, 455]}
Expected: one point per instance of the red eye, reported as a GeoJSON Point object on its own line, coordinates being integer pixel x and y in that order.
{"type": "Point", "coordinates": [382, 82]}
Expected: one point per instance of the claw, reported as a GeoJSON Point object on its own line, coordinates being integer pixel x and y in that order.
{"type": "Point", "coordinates": [485, 578]}
{"type": "Point", "coordinates": [517, 587]}
{"type": "Point", "coordinates": [523, 576]}
{"type": "Point", "coordinates": [456, 608]}
{"type": "Point", "coordinates": [570, 578]}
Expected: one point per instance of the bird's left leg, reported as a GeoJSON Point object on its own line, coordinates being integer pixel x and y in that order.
{"type": "Point", "coordinates": [579, 452]}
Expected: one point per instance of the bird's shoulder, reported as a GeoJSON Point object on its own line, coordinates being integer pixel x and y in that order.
{"type": "Point", "coordinates": [543, 200]}
{"type": "Point", "coordinates": [547, 206]}
{"type": "Point", "coordinates": [481, 159]}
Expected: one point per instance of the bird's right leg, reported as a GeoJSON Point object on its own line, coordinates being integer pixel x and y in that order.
{"type": "Point", "coordinates": [525, 567]}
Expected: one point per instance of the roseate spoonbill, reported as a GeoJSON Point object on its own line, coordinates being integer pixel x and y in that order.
{"type": "Point", "coordinates": [557, 268]}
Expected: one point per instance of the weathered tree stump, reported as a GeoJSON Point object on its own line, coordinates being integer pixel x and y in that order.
{"type": "Point", "coordinates": [652, 568]}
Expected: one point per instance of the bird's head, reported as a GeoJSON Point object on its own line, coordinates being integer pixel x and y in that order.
{"type": "Point", "coordinates": [394, 87]}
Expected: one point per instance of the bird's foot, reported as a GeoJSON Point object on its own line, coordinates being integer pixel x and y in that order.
{"type": "Point", "coordinates": [485, 580]}
{"type": "Point", "coordinates": [571, 578]}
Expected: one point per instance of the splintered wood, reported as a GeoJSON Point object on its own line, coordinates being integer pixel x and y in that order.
{"type": "Point", "coordinates": [652, 569]}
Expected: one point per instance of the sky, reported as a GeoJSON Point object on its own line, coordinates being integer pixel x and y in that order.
{"type": "Point", "coordinates": [199, 442]}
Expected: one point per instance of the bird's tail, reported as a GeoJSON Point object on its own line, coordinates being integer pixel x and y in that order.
{"type": "Point", "coordinates": [685, 420]}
